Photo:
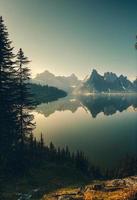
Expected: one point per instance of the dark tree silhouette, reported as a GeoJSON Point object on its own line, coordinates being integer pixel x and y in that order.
{"type": "Point", "coordinates": [24, 98]}
{"type": "Point", "coordinates": [8, 114]}
{"type": "Point", "coordinates": [45, 93]}
{"type": "Point", "coordinates": [41, 142]}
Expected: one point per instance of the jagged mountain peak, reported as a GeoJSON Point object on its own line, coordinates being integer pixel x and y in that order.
{"type": "Point", "coordinates": [109, 82]}
{"type": "Point", "coordinates": [122, 76]}
{"type": "Point", "coordinates": [94, 75]}
{"type": "Point", "coordinates": [73, 75]}
{"type": "Point", "coordinates": [110, 76]}
{"type": "Point", "coordinates": [44, 74]}
{"type": "Point", "coordinates": [94, 72]}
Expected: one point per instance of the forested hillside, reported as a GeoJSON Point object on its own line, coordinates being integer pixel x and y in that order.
{"type": "Point", "coordinates": [45, 93]}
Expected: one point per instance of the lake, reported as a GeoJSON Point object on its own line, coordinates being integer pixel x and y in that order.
{"type": "Point", "coordinates": [104, 127]}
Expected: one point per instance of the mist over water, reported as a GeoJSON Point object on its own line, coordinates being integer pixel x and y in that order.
{"type": "Point", "coordinates": [104, 127]}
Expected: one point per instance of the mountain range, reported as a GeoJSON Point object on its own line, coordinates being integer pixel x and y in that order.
{"type": "Point", "coordinates": [95, 83]}
{"type": "Point", "coordinates": [66, 83]}
{"type": "Point", "coordinates": [107, 83]}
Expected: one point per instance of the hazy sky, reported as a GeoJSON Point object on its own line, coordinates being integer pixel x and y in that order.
{"type": "Point", "coordinates": [74, 36]}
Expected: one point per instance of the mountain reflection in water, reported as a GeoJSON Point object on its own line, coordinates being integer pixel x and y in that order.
{"type": "Point", "coordinates": [94, 104]}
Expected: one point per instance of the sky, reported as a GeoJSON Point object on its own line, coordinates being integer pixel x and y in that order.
{"type": "Point", "coordinates": [74, 36]}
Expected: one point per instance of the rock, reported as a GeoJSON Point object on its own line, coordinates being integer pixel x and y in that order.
{"type": "Point", "coordinates": [25, 197]}
{"type": "Point", "coordinates": [80, 191]}
{"type": "Point", "coordinates": [131, 181]}
{"type": "Point", "coordinates": [18, 194]}
{"type": "Point", "coordinates": [117, 189]}
{"type": "Point", "coordinates": [97, 186]}
{"type": "Point", "coordinates": [65, 197]}
{"type": "Point", "coordinates": [118, 183]}
{"type": "Point", "coordinates": [36, 190]}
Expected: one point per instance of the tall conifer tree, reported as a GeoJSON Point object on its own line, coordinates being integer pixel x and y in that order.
{"type": "Point", "coordinates": [24, 99]}
{"type": "Point", "coordinates": [8, 115]}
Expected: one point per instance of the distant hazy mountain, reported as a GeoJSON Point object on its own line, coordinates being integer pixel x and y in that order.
{"type": "Point", "coordinates": [109, 82]}
{"type": "Point", "coordinates": [61, 82]}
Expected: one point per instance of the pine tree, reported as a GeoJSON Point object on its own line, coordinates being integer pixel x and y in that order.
{"type": "Point", "coordinates": [24, 99]}
{"type": "Point", "coordinates": [31, 145]}
{"type": "Point", "coordinates": [8, 115]}
{"type": "Point", "coordinates": [41, 142]}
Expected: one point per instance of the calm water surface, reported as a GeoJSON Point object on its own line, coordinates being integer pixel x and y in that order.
{"type": "Point", "coordinates": [104, 127]}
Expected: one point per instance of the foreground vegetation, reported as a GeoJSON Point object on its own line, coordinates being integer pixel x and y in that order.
{"type": "Point", "coordinates": [48, 169]}
{"type": "Point", "coordinates": [45, 168]}
{"type": "Point", "coordinates": [39, 181]}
